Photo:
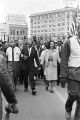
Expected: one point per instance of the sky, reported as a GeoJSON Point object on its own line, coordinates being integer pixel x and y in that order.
{"type": "Point", "coordinates": [27, 7]}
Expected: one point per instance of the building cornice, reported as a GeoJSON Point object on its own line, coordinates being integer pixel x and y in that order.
{"type": "Point", "coordinates": [53, 11]}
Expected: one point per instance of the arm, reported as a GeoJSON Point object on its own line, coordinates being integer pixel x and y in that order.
{"type": "Point", "coordinates": [23, 54]}
{"type": "Point", "coordinates": [65, 52]}
{"type": "Point", "coordinates": [42, 58]}
{"type": "Point", "coordinates": [37, 59]}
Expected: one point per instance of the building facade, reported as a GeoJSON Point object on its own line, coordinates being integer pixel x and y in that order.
{"type": "Point", "coordinates": [4, 32]}
{"type": "Point", "coordinates": [52, 24]}
{"type": "Point", "coordinates": [15, 27]}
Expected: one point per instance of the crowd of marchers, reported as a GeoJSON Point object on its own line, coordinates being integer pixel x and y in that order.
{"type": "Point", "coordinates": [27, 62]}
{"type": "Point", "coordinates": [54, 63]}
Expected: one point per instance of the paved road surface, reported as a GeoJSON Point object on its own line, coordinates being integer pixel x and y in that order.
{"type": "Point", "coordinates": [44, 106]}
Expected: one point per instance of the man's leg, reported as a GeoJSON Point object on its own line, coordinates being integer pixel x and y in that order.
{"type": "Point", "coordinates": [77, 110]}
{"type": "Point", "coordinates": [32, 82]}
{"type": "Point", "coordinates": [68, 105]}
{"type": "Point", "coordinates": [25, 78]}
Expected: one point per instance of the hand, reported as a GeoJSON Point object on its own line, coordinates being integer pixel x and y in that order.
{"type": "Point", "coordinates": [39, 68]}
{"type": "Point", "coordinates": [25, 57]}
{"type": "Point", "coordinates": [63, 81]}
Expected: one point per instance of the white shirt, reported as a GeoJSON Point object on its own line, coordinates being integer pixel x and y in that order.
{"type": "Point", "coordinates": [29, 50]}
{"type": "Point", "coordinates": [17, 53]}
{"type": "Point", "coordinates": [74, 58]}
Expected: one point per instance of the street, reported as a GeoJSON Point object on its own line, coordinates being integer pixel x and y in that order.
{"type": "Point", "coordinates": [43, 106]}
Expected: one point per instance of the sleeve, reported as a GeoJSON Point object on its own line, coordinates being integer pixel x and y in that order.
{"type": "Point", "coordinates": [58, 58]}
{"type": "Point", "coordinates": [42, 58]}
{"type": "Point", "coordinates": [65, 52]}
{"type": "Point", "coordinates": [7, 52]}
{"type": "Point", "coordinates": [37, 59]}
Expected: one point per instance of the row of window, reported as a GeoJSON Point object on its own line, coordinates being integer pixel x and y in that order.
{"type": "Point", "coordinates": [52, 15]}
{"type": "Point", "coordinates": [17, 32]}
{"type": "Point", "coordinates": [50, 25]}
{"type": "Point", "coordinates": [50, 34]}
{"type": "Point", "coordinates": [50, 30]}
{"type": "Point", "coordinates": [49, 20]}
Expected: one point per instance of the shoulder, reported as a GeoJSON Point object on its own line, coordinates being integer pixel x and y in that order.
{"type": "Point", "coordinates": [8, 50]}
{"type": "Point", "coordinates": [1, 57]}
{"type": "Point", "coordinates": [17, 48]}
{"type": "Point", "coordinates": [73, 38]}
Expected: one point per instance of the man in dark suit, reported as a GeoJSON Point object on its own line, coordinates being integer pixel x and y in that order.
{"type": "Point", "coordinates": [28, 55]}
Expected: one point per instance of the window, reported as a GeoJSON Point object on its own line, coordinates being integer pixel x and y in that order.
{"type": "Point", "coordinates": [45, 21]}
{"type": "Point", "coordinates": [67, 28]}
{"type": "Point", "coordinates": [45, 30]}
{"type": "Point", "coordinates": [50, 16]}
{"type": "Point", "coordinates": [13, 32]}
{"type": "Point", "coordinates": [58, 19]}
{"type": "Point", "coordinates": [59, 15]}
{"type": "Point", "coordinates": [45, 16]}
{"type": "Point", "coordinates": [34, 31]}
{"type": "Point", "coordinates": [34, 18]}
{"type": "Point", "coordinates": [31, 31]}
{"type": "Point", "coordinates": [38, 17]}
{"type": "Point", "coordinates": [31, 20]}
{"type": "Point", "coordinates": [31, 26]}
{"type": "Point", "coordinates": [68, 23]}
{"type": "Point", "coordinates": [62, 23]}
{"type": "Point", "coordinates": [62, 29]}
{"type": "Point", "coordinates": [21, 32]}
{"type": "Point", "coordinates": [53, 29]}
{"type": "Point", "coordinates": [35, 23]}
{"type": "Point", "coordinates": [41, 30]}
{"type": "Point", "coordinates": [38, 26]}
{"type": "Point", "coordinates": [49, 30]}
{"type": "Point", "coordinates": [49, 25]}
{"type": "Point", "coordinates": [50, 20]}
{"type": "Point", "coordinates": [58, 24]}
{"type": "Point", "coordinates": [17, 32]}
{"type": "Point", "coordinates": [50, 34]}
{"type": "Point", "coordinates": [38, 22]}
{"type": "Point", "coordinates": [63, 18]}
{"type": "Point", "coordinates": [68, 14]}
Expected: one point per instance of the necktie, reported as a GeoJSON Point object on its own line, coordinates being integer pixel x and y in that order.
{"type": "Point", "coordinates": [12, 54]}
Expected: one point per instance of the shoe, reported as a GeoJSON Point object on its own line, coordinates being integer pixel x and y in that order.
{"type": "Point", "coordinates": [58, 84]}
{"type": "Point", "coordinates": [25, 90]}
{"type": "Point", "coordinates": [33, 92]}
{"type": "Point", "coordinates": [11, 108]}
{"type": "Point", "coordinates": [51, 91]}
{"type": "Point", "coordinates": [68, 115]}
{"type": "Point", "coordinates": [46, 88]}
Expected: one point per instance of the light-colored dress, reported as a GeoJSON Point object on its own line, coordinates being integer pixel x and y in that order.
{"type": "Point", "coordinates": [51, 57]}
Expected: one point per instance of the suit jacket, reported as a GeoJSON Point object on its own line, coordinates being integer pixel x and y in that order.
{"type": "Point", "coordinates": [28, 63]}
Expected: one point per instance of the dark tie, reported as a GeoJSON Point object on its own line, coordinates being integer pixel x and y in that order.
{"type": "Point", "coordinates": [12, 54]}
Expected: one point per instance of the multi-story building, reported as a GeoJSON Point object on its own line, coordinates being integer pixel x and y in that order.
{"type": "Point", "coordinates": [52, 24]}
{"type": "Point", "coordinates": [15, 27]}
{"type": "Point", "coordinates": [4, 31]}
